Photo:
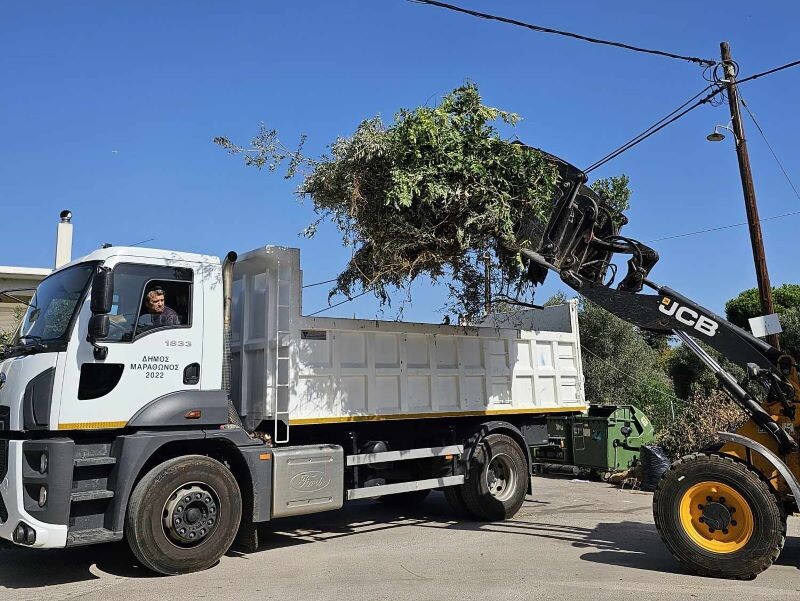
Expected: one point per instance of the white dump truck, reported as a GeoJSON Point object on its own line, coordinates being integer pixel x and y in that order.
{"type": "Point", "coordinates": [176, 400]}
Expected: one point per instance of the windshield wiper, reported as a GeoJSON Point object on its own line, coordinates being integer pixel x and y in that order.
{"type": "Point", "coordinates": [29, 337]}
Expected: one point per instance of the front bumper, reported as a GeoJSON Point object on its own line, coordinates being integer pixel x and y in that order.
{"type": "Point", "coordinates": [13, 500]}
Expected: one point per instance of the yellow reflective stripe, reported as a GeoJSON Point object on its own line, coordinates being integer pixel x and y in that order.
{"type": "Point", "coordinates": [91, 425]}
{"type": "Point", "coordinates": [396, 416]}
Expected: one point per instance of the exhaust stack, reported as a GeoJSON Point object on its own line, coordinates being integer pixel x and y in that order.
{"type": "Point", "coordinates": [64, 239]}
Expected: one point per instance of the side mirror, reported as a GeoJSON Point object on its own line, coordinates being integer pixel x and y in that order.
{"type": "Point", "coordinates": [98, 326]}
{"type": "Point", "coordinates": [102, 291]}
{"type": "Point", "coordinates": [98, 329]}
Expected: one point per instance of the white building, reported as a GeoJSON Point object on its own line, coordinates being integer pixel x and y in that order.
{"type": "Point", "coordinates": [20, 282]}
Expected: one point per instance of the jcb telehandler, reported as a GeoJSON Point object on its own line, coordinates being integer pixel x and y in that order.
{"type": "Point", "coordinates": [721, 511]}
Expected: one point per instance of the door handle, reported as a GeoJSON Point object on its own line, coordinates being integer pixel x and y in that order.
{"type": "Point", "coordinates": [191, 374]}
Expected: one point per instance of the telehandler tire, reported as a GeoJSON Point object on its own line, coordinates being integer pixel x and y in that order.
{"type": "Point", "coordinates": [183, 515]}
{"type": "Point", "coordinates": [718, 517]}
{"type": "Point", "coordinates": [498, 479]}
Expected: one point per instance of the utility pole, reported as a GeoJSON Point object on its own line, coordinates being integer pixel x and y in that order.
{"type": "Point", "coordinates": [756, 240]}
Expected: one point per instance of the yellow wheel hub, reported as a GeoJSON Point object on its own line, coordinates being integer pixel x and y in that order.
{"type": "Point", "coordinates": [716, 517]}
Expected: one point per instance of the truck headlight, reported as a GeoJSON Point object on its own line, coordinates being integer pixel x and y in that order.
{"type": "Point", "coordinates": [43, 462]}
{"type": "Point", "coordinates": [42, 496]}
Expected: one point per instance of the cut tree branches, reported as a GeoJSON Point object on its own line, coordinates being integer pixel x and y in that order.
{"type": "Point", "coordinates": [437, 192]}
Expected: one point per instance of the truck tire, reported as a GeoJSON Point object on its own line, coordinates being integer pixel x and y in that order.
{"type": "Point", "coordinates": [456, 501]}
{"type": "Point", "coordinates": [405, 499]}
{"type": "Point", "coordinates": [718, 517]}
{"type": "Point", "coordinates": [183, 515]}
{"type": "Point", "coordinates": [495, 489]}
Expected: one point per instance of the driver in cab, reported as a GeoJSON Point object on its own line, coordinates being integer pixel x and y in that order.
{"type": "Point", "coordinates": [155, 312]}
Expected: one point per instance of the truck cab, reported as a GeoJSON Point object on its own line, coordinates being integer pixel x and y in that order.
{"type": "Point", "coordinates": [56, 383]}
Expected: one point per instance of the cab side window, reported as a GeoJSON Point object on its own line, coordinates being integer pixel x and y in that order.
{"type": "Point", "coordinates": [149, 298]}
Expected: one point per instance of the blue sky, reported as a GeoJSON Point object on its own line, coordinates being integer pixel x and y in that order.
{"type": "Point", "coordinates": [155, 82]}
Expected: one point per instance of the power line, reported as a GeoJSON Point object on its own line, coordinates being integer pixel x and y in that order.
{"type": "Point", "coordinates": [319, 283]}
{"type": "Point", "coordinates": [540, 29]}
{"type": "Point", "coordinates": [774, 154]}
{"type": "Point", "coordinates": [347, 300]}
{"type": "Point", "coordinates": [722, 227]}
{"type": "Point", "coordinates": [769, 72]}
{"type": "Point", "coordinates": [656, 127]}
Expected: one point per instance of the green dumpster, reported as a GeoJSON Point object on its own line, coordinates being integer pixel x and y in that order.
{"type": "Point", "coordinates": [608, 438]}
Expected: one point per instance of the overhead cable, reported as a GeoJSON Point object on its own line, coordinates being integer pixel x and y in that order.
{"type": "Point", "coordinates": [538, 28]}
{"type": "Point", "coordinates": [722, 227]}
{"type": "Point", "coordinates": [319, 283]}
{"type": "Point", "coordinates": [769, 72]}
{"type": "Point", "coordinates": [657, 126]}
{"type": "Point", "coordinates": [772, 150]}
{"type": "Point", "coordinates": [347, 300]}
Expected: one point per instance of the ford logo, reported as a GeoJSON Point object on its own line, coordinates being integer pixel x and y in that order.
{"type": "Point", "coordinates": [2, 380]}
{"type": "Point", "coordinates": [310, 481]}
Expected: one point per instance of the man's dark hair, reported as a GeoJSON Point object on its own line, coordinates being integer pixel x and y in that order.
{"type": "Point", "coordinates": [155, 288]}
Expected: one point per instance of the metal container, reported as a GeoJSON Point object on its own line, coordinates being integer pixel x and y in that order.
{"type": "Point", "coordinates": [609, 438]}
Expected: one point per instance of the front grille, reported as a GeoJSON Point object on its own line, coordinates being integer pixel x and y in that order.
{"type": "Point", "coordinates": [3, 472]}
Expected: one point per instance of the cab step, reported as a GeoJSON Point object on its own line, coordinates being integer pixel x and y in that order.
{"type": "Point", "coordinates": [92, 536]}
{"type": "Point", "coordinates": [91, 495]}
{"type": "Point", "coordinates": [94, 461]}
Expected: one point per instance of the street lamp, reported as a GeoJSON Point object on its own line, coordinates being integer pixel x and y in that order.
{"type": "Point", "coordinates": [718, 136]}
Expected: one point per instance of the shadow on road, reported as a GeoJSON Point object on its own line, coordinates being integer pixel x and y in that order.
{"type": "Point", "coordinates": [22, 568]}
{"type": "Point", "coordinates": [628, 544]}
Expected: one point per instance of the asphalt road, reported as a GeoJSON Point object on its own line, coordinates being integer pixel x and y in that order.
{"type": "Point", "coordinates": [572, 540]}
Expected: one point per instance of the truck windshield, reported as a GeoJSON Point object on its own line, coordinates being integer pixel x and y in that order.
{"type": "Point", "coordinates": [51, 310]}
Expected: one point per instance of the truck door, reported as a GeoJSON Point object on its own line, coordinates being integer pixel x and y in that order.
{"type": "Point", "coordinates": [154, 346]}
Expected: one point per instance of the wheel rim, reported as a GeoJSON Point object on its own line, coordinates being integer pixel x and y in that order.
{"type": "Point", "coordinates": [501, 478]}
{"type": "Point", "coordinates": [191, 514]}
{"type": "Point", "coordinates": [716, 517]}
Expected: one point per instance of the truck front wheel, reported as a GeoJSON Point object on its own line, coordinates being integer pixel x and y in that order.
{"type": "Point", "coordinates": [495, 489]}
{"type": "Point", "coordinates": [183, 515]}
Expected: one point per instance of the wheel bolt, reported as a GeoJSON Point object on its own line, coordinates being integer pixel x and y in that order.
{"type": "Point", "coordinates": [177, 520]}
{"type": "Point", "coordinates": [702, 519]}
{"type": "Point", "coordinates": [212, 509]}
{"type": "Point", "coordinates": [203, 532]}
{"type": "Point", "coordinates": [711, 530]}
{"type": "Point", "coordinates": [722, 499]}
{"type": "Point", "coordinates": [733, 522]}
{"type": "Point", "coordinates": [192, 535]}
{"type": "Point", "coordinates": [709, 499]}
{"type": "Point", "coordinates": [725, 531]}
{"type": "Point", "coordinates": [732, 509]}
{"type": "Point", "coordinates": [183, 530]}
{"type": "Point", "coordinates": [179, 509]}
{"type": "Point", "coordinates": [211, 521]}
{"type": "Point", "coordinates": [700, 507]}
{"type": "Point", "coordinates": [187, 499]}
{"type": "Point", "coordinates": [197, 495]}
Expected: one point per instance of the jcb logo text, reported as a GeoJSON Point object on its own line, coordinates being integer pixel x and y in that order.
{"type": "Point", "coordinates": [701, 323]}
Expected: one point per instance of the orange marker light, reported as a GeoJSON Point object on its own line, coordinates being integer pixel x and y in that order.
{"type": "Point", "coordinates": [193, 414]}
{"type": "Point", "coordinates": [265, 456]}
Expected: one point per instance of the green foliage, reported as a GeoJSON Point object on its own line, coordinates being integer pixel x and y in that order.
{"type": "Point", "coordinates": [738, 310]}
{"type": "Point", "coordinates": [620, 367]}
{"type": "Point", "coordinates": [429, 194]}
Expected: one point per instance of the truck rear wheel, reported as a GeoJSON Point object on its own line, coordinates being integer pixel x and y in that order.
{"type": "Point", "coordinates": [718, 517]}
{"type": "Point", "coordinates": [183, 515]}
{"type": "Point", "coordinates": [495, 489]}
